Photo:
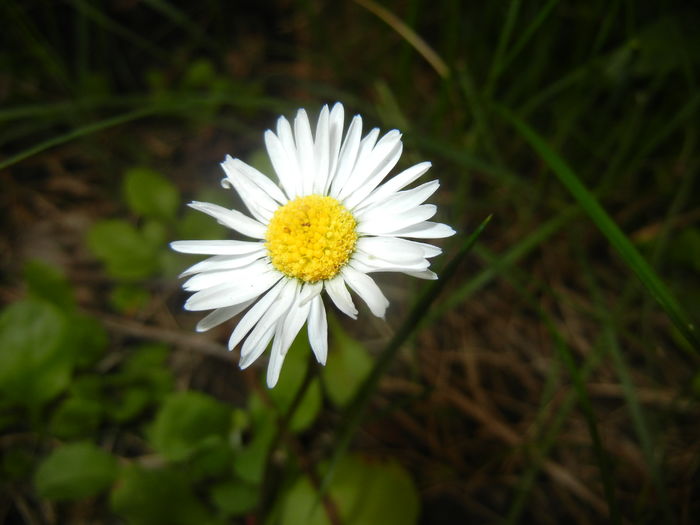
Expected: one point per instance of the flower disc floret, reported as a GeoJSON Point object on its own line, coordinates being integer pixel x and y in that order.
{"type": "Point", "coordinates": [311, 238]}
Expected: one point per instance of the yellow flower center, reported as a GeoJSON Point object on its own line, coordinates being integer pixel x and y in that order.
{"type": "Point", "coordinates": [311, 238]}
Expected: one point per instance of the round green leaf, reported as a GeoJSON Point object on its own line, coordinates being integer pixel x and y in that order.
{"type": "Point", "coordinates": [364, 492]}
{"type": "Point", "coordinates": [150, 194]}
{"type": "Point", "coordinates": [126, 252]}
{"type": "Point", "coordinates": [157, 497]}
{"type": "Point", "coordinates": [75, 471]}
{"type": "Point", "coordinates": [234, 498]}
{"type": "Point", "coordinates": [186, 422]}
{"type": "Point", "coordinates": [347, 367]}
{"type": "Point", "coordinates": [291, 379]}
{"type": "Point", "coordinates": [35, 364]}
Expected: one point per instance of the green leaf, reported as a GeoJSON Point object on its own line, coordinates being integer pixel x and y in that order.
{"type": "Point", "coordinates": [127, 254]}
{"type": "Point", "coordinates": [76, 418]}
{"type": "Point", "coordinates": [35, 366]}
{"type": "Point", "coordinates": [235, 498]}
{"type": "Point", "coordinates": [249, 464]}
{"type": "Point", "coordinates": [48, 283]}
{"type": "Point", "coordinates": [157, 497]}
{"type": "Point", "coordinates": [363, 492]}
{"type": "Point", "coordinates": [348, 368]}
{"type": "Point", "coordinates": [150, 194]}
{"type": "Point", "coordinates": [75, 471]}
{"type": "Point", "coordinates": [295, 366]}
{"type": "Point", "coordinates": [128, 298]}
{"type": "Point", "coordinates": [186, 422]}
{"type": "Point", "coordinates": [88, 338]}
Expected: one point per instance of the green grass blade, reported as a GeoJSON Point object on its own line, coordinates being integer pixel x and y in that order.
{"type": "Point", "coordinates": [74, 134]}
{"type": "Point", "coordinates": [609, 228]}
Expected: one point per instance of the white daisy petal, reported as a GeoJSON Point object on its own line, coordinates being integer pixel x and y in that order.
{"type": "Point", "coordinates": [286, 170]}
{"type": "Point", "coordinates": [335, 138]}
{"type": "Point", "coordinates": [286, 136]}
{"type": "Point", "coordinates": [318, 330]}
{"type": "Point", "coordinates": [376, 224]}
{"type": "Point", "coordinates": [400, 202]}
{"type": "Point", "coordinates": [204, 280]}
{"type": "Point", "coordinates": [258, 202]}
{"type": "Point", "coordinates": [321, 151]}
{"type": "Point", "coordinates": [425, 274]}
{"type": "Point", "coordinates": [305, 151]}
{"type": "Point", "coordinates": [391, 248]}
{"type": "Point", "coordinates": [284, 337]}
{"type": "Point", "coordinates": [237, 166]}
{"type": "Point", "coordinates": [396, 183]}
{"type": "Point", "coordinates": [347, 156]}
{"type": "Point", "coordinates": [225, 262]}
{"type": "Point", "coordinates": [253, 315]}
{"type": "Point", "coordinates": [230, 294]}
{"type": "Point", "coordinates": [221, 315]}
{"type": "Point", "coordinates": [425, 230]}
{"type": "Point", "coordinates": [364, 286]}
{"type": "Point", "coordinates": [370, 159]}
{"type": "Point", "coordinates": [232, 219]}
{"type": "Point", "coordinates": [369, 263]}
{"type": "Point", "coordinates": [252, 356]}
{"type": "Point", "coordinates": [277, 310]}
{"type": "Point", "coordinates": [309, 291]}
{"type": "Point", "coordinates": [218, 247]}
{"type": "Point", "coordinates": [340, 296]}
{"type": "Point", "coordinates": [379, 172]}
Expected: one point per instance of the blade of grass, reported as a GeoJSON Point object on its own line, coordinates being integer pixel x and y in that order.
{"type": "Point", "coordinates": [503, 40]}
{"type": "Point", "coordinates": [416, 317]}
{"type": "Point", "coordinates": [526, 35]}
{"type": "Point", "coordinates": [413, 38]}
{"type": "Point", "coordinates": [76, 133]}
{"type": "Point", "coordinates": [609, 228]}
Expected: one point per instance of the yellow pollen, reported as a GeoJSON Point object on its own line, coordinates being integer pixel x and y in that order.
{"type": "Point", "coordinates": [311, 238]}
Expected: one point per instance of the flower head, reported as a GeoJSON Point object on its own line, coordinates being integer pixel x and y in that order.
{"type": "Point", "coordinates": [329, 222]}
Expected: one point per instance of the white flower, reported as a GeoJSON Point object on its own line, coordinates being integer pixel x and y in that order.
{"type": "Point", "coordinates": [328, 224]}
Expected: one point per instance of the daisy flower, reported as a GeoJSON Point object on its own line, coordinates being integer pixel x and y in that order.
{"type": "Point", "coordinates": [329, 222]}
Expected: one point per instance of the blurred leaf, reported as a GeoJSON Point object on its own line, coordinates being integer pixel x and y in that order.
{"type": "Point", "coordinates": [212, 459]}
{"type": "Point", "coordinates": [348, 368]}
{"type": "Point", "coordinates": [75, 418]}
{"type": "Point", "coordinates": [363, 493]}
{"type": "Point", "coordinates": [75, 471]}
{"type": "Point", "coordinates": [35, 366]}
{"type": "Point", "coordinates": [143, 381]}
{"type": "Point", "coordinates": [126, 253]}
{"type": "Point", "coordinates": [88, 338]}
{"type": "Point", "coordinates": [48, 283]}
{"type": "Point", "coordinates": [200, 73]}
{"type": "Point", "coordinates": [295, 366]}
{"type": "Point", "coordinates": [157, 497]}
{"type": "Point", "coordinates": [186, 422]}
{"type": "Point", "coordinates": [129, 403]}
{"type": "Point", "coordinates": [249, 464]}
{"type": "Point", "coordinates": [234, 498]}
{"type": "Point", "coordinates": [128, 298]}
{"type": "Point", "coordinates": [149, 194]}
